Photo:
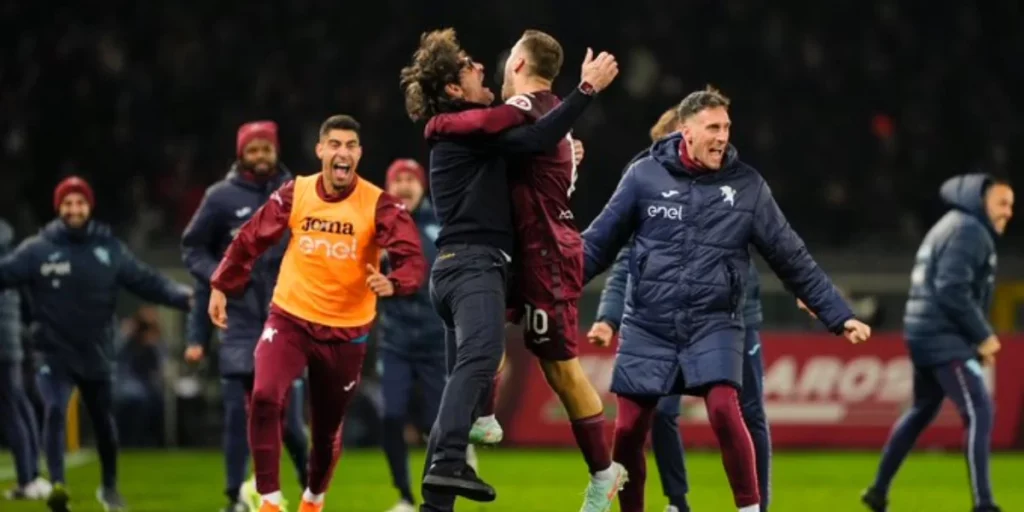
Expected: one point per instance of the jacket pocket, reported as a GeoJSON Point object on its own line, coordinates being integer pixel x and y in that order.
{"type": "Point", "coordinates": [735, 288]}
{"type": "Point", "coordinates": [637, 265]}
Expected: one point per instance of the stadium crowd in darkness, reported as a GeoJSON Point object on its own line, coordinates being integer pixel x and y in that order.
{"type": "Point", "coordinates": [854, 111]}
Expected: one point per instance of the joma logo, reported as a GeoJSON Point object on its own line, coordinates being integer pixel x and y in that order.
{"type": "Point", "coordinates": [327, 226]}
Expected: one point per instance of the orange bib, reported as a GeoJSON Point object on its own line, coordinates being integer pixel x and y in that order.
{"type": "Point", "coordinates": [323, 274]}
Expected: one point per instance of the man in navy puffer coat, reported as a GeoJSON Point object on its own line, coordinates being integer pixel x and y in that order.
{"type": "Point", "coordinates": [947, 331]}
{"type": "Point", "coordinates": [665, 438]}
{"type": "Point", "coordinates": [692, 209]}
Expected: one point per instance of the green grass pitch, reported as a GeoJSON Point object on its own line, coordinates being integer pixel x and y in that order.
{"type": "Point", "coordinates": [554, 480]}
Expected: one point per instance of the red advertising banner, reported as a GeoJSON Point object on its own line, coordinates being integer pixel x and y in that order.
{"type": "Point", "coordinates": [819, 392]}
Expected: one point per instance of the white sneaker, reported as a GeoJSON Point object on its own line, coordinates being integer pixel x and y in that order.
{"type": "Point", "coordinates": [249, 495]}
{"type": "Point", "coordinates": [486, 431]}
{"type": "Point", "coordinates": [671, 508]}
{"type": "Point", "coordinates": [471, 458]}
{"type": "Point", "coordinates": [402, 506]}
{"type": "Point", "coordinates": [41, 487]}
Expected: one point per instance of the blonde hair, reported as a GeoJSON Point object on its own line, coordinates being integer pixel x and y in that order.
{"type": "Point", "coordinates": [666, 124]}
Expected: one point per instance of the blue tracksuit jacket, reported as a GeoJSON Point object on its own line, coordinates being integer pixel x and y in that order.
{"type": "Point", "coordinates": [72, 279]}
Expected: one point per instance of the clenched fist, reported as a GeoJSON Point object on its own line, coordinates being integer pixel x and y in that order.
{"type": "Point", "coordinates": [599, 71]}
{"type": "Point", "coordinates": [856, 331]}
{"type": "Point", "coordinates": [379, 283]}
{"type": "Point", "coordinates": [989, 347]}
{"type": "Point", "coordinates": [194, 353]}
{"type": "Point", "coordinates": [601, 334]}
{"type": "Point", "coordinates": [218, 308]}
{"type": "Point", "coordinates": [577, 151]}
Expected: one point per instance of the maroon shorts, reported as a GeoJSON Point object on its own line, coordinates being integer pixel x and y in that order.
{"type": "Point", "coordinates": [286, 348]}
{"type": "Point", "coordinates": [544, 300]}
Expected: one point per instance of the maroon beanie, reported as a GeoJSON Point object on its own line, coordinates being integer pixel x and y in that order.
{"type": "Point", "coordinates": [406, 165]}
{"type": "Point", "coordinates": [70, 185]}
{"type": "Point", "coordinates": [256, 130]}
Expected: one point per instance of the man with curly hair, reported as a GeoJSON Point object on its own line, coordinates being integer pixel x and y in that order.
{"type": "Point", "coordinates": [469, 187]}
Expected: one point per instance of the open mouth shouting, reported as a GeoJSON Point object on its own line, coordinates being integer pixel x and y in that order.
{"type": "Point", "coordinates": [341, 170]}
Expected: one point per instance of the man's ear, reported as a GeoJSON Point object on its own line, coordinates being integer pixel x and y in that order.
{"type": "Point", "coordinates": [518, 66]}
{"type": "Point", "coordinates": [454, 90]}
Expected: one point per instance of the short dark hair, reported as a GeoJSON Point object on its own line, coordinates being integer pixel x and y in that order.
{"type": "Point", "coordinates": [437, 62]}
{"type": "Point", "coordinates": [698, 101]}
{"type": "Point", "coordinates": [340, 122]}
{"type": "Point", "coordinates": [546, 54]}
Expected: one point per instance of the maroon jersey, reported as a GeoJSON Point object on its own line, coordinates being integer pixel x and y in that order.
{"type": "Point", "coordinates": [542, 185]}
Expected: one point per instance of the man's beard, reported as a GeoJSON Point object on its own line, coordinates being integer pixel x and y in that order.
{"type": "Point", "coordinates": [260, 168]}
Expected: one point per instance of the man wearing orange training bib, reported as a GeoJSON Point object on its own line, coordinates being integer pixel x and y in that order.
{"type": "Point", "coordinates": [325, 300]}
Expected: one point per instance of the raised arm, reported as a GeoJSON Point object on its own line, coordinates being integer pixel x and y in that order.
{"type": "Point", "coordinates": [611, 229]}
{"type": "Point", "coordinates": [397, 234]}
{"type": "Point", "coordinates": [788, 257]}
{"type": "Point", "coordinates": [197, 241]}
{"type": "Point", "coordinates": [955, 269]}
{"type": "Point", "coordinates": [148, 284]}
{"type": "Point", "coordinates": [261, 232]}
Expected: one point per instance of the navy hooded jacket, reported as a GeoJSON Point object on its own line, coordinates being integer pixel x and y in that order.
{"type": "Point", "coordinates": [10, 306]}
{"type": "Point", "coordinates": [409, 325]}
{"type": "Point", "coordinates": [228, 204]}
{"type": "Point", "coordinates": [689, 259]}
{"type": "Point", "coordinates": [953, 278]}
{"type": "Point", "coordinates": [72, 279]}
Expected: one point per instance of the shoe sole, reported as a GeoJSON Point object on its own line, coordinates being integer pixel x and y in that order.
{"type": "Point", "coordinates": [485, 441]}
{"type": "Point", "coordinates": [459, 487]}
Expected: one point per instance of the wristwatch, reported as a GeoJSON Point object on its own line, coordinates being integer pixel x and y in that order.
{"type": "Point", "coordinates": [586, 88]}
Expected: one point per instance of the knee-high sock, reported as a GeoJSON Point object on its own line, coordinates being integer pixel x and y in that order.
{"type": "Point", "coordinates": [722, 402]}
{"type": "Point", "coordinates": [631, 426]}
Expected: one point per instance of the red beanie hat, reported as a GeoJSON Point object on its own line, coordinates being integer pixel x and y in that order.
{"type": "Point", "coordinates": [406, 165]}
{"type": "Point", "coordinates": [256, 130]}
{"type": "Point", "coordinates": [70, 185]}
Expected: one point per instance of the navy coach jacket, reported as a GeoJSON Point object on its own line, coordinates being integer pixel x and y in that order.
{"type": "Point", "coordinates": [228, 204]}
{"type": "Point", "coordinates": [953, 278]}
{"type": "Point", "coordinates": [409, 325]}
{"type": "Point", "coordinates": [72, 279]}
{"type": "Point", "coordinates": [689, 264]}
